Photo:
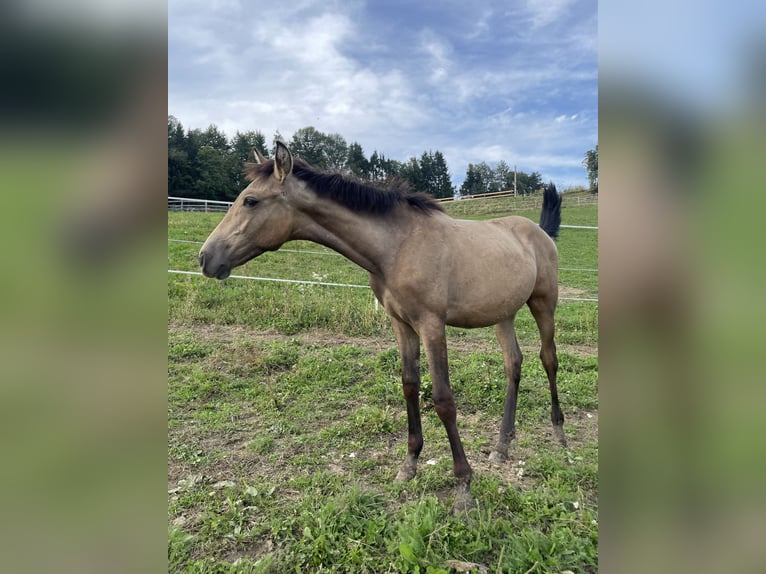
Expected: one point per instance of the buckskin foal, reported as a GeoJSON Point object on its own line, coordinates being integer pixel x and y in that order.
{"type": "Point", "coordinates": [427, 269]}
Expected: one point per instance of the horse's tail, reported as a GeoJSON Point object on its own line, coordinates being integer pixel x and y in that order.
{"type": "Point", "coordinates": [550, 217]}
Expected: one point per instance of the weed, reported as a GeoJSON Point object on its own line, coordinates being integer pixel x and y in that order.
{"type": "Point", "coordinates": [179, 547]}
{"type": "Point", "coordinates": [262, 445]}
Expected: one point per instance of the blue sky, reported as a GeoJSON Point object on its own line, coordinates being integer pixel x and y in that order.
{"type": "Point", "coordinates": [479, 81]}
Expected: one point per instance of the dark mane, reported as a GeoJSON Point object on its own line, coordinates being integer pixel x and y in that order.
{"type": "Point", "coordinates": [357, 195]}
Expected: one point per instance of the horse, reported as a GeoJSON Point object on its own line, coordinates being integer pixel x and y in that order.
{"type": "Point", "coordinates": [426, 269]}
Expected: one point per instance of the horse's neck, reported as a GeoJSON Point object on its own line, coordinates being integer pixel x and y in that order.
{"type": "Point", "coordinates": [368, 241]}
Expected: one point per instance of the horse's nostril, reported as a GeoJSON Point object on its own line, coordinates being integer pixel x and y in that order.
{"type": "Point", "coordinates": [201, 258]}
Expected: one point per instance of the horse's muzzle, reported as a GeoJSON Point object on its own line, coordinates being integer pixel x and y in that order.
{"type": "Point", "coordinates": [221, 271]}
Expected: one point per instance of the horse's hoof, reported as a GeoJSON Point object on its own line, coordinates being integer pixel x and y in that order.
{"type": "Point", "coordinates": [497, 457]}
{"type": "Point", "coordinates": [405, 474]}
{"type": "Point", "coordinates": [463, 500]}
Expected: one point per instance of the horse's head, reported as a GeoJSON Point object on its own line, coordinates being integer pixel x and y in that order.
{"type": "Point", "coordinates": [260, 219]}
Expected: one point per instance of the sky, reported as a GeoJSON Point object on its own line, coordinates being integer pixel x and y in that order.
{"type": "Point", "coordinates": [702, 57]}
{"type": "Point", "coordinates": [479, 81]}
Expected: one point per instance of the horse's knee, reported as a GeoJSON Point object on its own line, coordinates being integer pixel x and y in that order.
{"type": "Point", "coordinates": [513, 369]}
{"type": "Point", "coordinates": [444, 405]}
{"type": "Point", "coordinates": [411, 390]}
{"type": "Point", "coordinates": [549, 358]}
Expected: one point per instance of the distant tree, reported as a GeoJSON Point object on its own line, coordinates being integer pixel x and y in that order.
{"type": "Point", "coordinates": [486, 179]}
{"type": "Point", "coordinates": [382, 168]}
{"type": "Point", "coordinates": [205, 164]}
{"type": "Point", "coordinates": [427, 172]}
{"type": "Point", "coordinates": [357, 163]}
{"type": "Point", "coordinates": [335, 151]}
{"type": "Point", "coordinates": [307, 143]}
{"type": "Point", "coordinates": [376, 172]}
{"type": "Point", "coordinates": [180, 177]}
{"type": "Point", "coordinates": [214, 181]}
{"type": "Point", "coordinates": [393, 168]}
{"type": "Point", "coordinates": [472, 184]}
{"type": "Point", "coordinates": [176, 134]}
{"type": "Point", "coordinates": [535, 181]}
{"type": "Point", "coordinates": [528, 183]}
{"type": "Point", "coordinates": [591, 166]}
{"type": "Point", "coordinates": [503, 176]}
{"type": "Point", "coordinates": [441, 183]}
{"type": "Point", "coordinates": [482, 178]}
{"type": "Point", "coordinates": [320, 149]}
{"type": "Point", "coordinates": [242, 146]}
{"type": "Point", "coordinates": [214, 138]}
{"type": "Point", "coordinates": [411, 172]}
{"type": "Point", "coordinates": [194, 141]}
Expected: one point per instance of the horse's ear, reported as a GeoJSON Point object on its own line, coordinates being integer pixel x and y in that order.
{"type": "Point", "coordinates": [258, 156]}
{"type": "Point", "coordinates": [283, 162]}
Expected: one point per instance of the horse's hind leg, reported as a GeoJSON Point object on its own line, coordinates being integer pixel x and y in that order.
{"type": "Point", "coordinates": [543, 309]}
{"type": "Point", "coordinates": [512, 357]}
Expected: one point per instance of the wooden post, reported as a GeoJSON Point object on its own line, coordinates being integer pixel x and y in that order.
{"type": "Point", "coordinates": [515, 194]}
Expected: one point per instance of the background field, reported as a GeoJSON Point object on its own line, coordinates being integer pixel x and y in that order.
{"type": "Point", "coordinates": [287, 424]}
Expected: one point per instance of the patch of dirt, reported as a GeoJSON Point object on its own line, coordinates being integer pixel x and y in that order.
{"type": "Point", "coordinates": [253, 551]}
{"type": "Point", "coordinates": [458, 342]}
{"type": "Point", "coordinates": [571, 292]}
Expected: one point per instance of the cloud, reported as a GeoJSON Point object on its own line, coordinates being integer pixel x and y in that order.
{"type": "Point", "coordinates": [541, 13]}
{"type": "Point", "coordinates": [400, 85]}
{"type": "Point", "coordinates": [532, 141]}
{"type": "Point", "coordinates": [438, 51]}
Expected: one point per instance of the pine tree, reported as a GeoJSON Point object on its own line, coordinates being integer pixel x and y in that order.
{"type": "Point", "coordinates": [442, 183]}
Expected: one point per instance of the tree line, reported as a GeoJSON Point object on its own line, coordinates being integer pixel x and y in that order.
{"type": "Point", "coordinates": [205, 164]}
{"type": "Point", "coordinates": [590, 163]}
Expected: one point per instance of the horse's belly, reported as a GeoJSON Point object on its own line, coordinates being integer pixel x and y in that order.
{"type": "Point", "coordinates": [481, 304]}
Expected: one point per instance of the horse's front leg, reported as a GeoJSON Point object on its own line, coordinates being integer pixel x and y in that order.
{"type": "Point", "coordinates": [435, 342]}
{"type": "Point", "coordinates": [409, 351]}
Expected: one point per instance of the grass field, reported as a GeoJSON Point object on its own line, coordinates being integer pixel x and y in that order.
{"type": "Point", "coordinates": [287, 425]}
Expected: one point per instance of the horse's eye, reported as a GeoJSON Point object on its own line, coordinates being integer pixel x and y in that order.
{"type": "Point", "coordinates": [250, 202]}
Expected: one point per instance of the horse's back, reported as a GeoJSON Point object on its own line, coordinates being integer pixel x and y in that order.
{"type": "Point", "coordinates": [526, 230]}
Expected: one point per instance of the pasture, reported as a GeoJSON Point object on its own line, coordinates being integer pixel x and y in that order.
{"type": "Point", "coordinates": [287, 423]}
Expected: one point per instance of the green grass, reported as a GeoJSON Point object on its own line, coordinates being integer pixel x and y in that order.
{"type": "Point", "coordinates": [307, 441]}
{"type": "Point", "coordinates": [483, 208]}
{"type": "Point", "coordinates": [286, 426]}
